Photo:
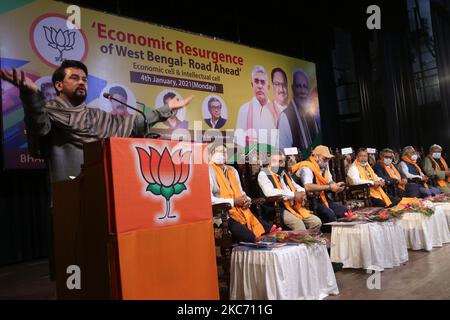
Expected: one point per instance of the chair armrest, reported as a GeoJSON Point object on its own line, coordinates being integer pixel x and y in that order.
{"type": "Point", "coordinates": [221, 206]}
{"type": "Point", "coordinates": [359, 187]}
{"type": "Point", "coordinates": [415, 180]}
{"type": "Point", "coordinates": [274, 199]}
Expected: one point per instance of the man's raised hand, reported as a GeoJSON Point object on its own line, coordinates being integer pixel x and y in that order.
{"type": "Point", "coordinates": [19, 80]}
{"type": "Point", "coordinates": [176, 103]}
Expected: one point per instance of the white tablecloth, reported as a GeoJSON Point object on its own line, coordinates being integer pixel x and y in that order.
{"type": "Point", "coordinates": [372, 246]}
{"type": "Point", "coordinates": [446, 207]}
{"type": "Point", "coordinates": [422, 232]}
{"type": "Point", "coordinates": [291, 272]}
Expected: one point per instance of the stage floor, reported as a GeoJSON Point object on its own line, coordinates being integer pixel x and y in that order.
{"type": "Point", "coordinates": [425, 276]}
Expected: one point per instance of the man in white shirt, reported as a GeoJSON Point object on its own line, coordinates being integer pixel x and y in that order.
{"type": "Point", "coordinates": [360, 172]}
{"type": "Point", "coordinates": [226, 188]}
{"type": "Point", "coordinates": [273, 181]}
{"type": "Point", "coordinates": [280, 93]}
{"type": "Point", "coordinates": [256, 122]}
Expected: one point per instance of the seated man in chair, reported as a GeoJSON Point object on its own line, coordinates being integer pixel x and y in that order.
{"type": "Point", "coordinates": [386, 170]}
{"type": "Point", "coordinates": [435, 165]}
{"type": "Point", "coordinates": [274, 181]}
{"type": "Point", "coordinates": [360, 172]}
{"type": "Point", "coordinates": [315, 176]}
{"type": "Point", "coordinates": [410, 170]}
{"type": "Point", "coordinates": [226, 187]}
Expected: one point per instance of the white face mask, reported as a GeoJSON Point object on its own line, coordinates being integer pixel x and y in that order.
{"type": "Point", "coordinates": [414, 157]}
{"type": "Point", "coordinates": [436, 155]}
{"type": "Point", "coordinates": [218, 158]}
{"type": "Point", "coordinates": [363, 164]}
{"type": "Point", "coordinates": [387, 161]}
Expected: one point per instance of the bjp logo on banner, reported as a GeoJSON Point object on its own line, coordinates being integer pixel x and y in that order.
{"type": "Point", "coordinates": [53, 41]}
{"type": "Point", "coordinates": [165, 173]}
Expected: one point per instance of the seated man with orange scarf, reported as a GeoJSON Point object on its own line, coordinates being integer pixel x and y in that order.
{"type": "Point", "coordinates": [315, 176]}
{"type": "Point", "coordinates": [386, 170]}
{"type": "Point", "coordinates": [274, 181]}
{"type": "Point", "coordinates": [410, 170]}
{"type": "Point", "coordinates": [226, 187]}
{"type": "Point", "coordinates": [435, 165]}
{"type": "Point", "coordinates": [360, 172]}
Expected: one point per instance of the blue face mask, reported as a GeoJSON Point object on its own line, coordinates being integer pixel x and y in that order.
{"type": "Point", "coordinates": [387, 161]}
{"type": "Point", "coordinates": [436, 155]}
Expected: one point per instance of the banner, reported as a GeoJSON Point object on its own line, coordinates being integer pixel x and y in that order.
{"type": "Point", "coordinates": [253, 95]}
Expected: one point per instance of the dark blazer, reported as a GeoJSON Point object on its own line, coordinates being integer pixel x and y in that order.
{"type": "Point", "coordinates": [220, 123]}
{"type": "Point", "coordinates": [379, 171]}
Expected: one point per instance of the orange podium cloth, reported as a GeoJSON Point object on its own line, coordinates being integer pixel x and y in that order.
{"type": "Point", "coordinates": [160, 209]}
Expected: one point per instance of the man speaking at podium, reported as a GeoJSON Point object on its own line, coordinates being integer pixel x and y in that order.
{"type": "Point", "coordinates": [63, 125]}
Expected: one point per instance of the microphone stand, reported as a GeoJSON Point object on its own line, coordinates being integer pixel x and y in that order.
{"type": "Point", "coordinates": [146, 133]}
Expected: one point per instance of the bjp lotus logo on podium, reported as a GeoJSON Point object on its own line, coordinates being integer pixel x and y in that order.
{"type": "Point", "coordinates": [165, 173]}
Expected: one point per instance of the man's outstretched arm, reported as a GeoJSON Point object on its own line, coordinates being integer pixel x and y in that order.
{"type": "Point", "coordinates": [35, 116]}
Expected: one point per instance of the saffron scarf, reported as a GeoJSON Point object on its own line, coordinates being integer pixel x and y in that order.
{"type": "Point", "coordinates": [394, 175]}
{"type": "Point", "coordinates": [297, 210]}
{"type": "Point", "coordinates": [441, 182]}
{"type": "Point", "coordinates": [320, 179]}
{"type": "Point", "coordinates": [408, 160]}
{"type": "Point", "coordinates": [229, 188]}
{"type": "Point", "coordinates": [375, 192]}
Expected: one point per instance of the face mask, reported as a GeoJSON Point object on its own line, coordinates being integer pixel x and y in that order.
{"type": "Point", "coordinates": [387, 161]}
{"type": "Point", "coordinates": [363, 164]}
{"type": "Point", "coordinates": [279, 170]}
{"type": "Point", "coordinates": [322, 164]}
{"type": "Point", "coordinates": [414, 157]}
{"type": "Point", "coordinates": [218, 158]}
{"type": "Point", "coordinates": [436, 155]}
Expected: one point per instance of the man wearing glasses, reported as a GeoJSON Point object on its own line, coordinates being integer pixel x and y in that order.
{"type": "Point", "coordinates": [215, 109]}
{"type": "Point", "coordinates": [386, 169]}
{"type": "Point", "coordinates": [280, 93]}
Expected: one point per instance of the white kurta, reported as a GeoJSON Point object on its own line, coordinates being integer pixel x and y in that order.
{"type": "Point", "coordinates": [264, 125]}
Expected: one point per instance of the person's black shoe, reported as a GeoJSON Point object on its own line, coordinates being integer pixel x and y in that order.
{"type": "Point", "coordinates": [337, 266]}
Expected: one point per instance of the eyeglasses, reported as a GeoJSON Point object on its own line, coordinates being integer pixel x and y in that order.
{"type": "Point", "coordinates": [280, 84]}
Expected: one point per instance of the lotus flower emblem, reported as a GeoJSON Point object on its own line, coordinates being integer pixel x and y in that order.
{"type": "Point", "coordinates": [60, 40]}
{"type": "Point", "coordinates": [165, 173]}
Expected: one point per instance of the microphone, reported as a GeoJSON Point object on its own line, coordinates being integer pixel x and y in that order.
{"type": "Point", "coordinates": [146, 134]}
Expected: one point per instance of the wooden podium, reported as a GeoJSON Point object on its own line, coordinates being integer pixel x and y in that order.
{"type": "Point", "coordinates": [137, 222]}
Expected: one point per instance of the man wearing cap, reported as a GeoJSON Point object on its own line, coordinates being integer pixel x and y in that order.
{"type": "Point", "coordinates": [386, 170]}
{"type": "Point", "coordinates": [315, 176]}
{"type": "Point", "coordinates": [435, 165]}
{"type": "Point", "coordinates": [360, 172]}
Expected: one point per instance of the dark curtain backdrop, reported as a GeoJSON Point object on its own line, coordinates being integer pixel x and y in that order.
{"type": "Point", "coordinates": [389, 114]}
{"type": "Point", "coordinates": [440, 14]}
{"type": "Point", "coordinates": [24, 216]}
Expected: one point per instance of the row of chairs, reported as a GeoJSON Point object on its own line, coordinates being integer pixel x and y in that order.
{"type": "Point", "coordinates": [353, 197]}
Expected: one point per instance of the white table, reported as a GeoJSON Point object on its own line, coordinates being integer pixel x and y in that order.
{"type": "Point", "coordinates": [294, 272]}
{"type": "Point", "coordinates": [424, 233]}
{"type": "Point", "coordinates": [446, 207]}
{"type": "Point", "coordinates": [371, 246]}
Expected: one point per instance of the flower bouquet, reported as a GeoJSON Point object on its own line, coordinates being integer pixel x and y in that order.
{"type": "Point", "coordinates": [379, 216]}
{"type": "Point", "coordinates": [295, 237]}
{"type": "Point", "coordinates": [443, 197]}
{"type": "Point", "coordinates": [424, 207]}
{"type": "Point", "coordinates": [351, 216]}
